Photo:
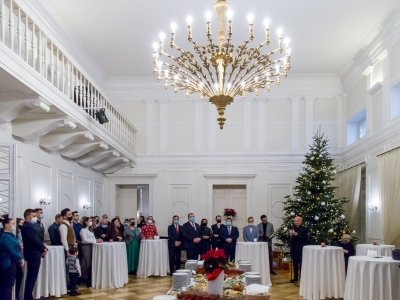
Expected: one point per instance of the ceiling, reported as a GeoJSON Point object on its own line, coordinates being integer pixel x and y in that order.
{"type": "Point", "coordinates": [118, 34]}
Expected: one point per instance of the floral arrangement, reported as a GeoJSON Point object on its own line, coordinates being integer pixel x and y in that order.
{"type": "Point", "coordinates": [214, 263]}
{"type": "Point", "coordinates": [229, 212]}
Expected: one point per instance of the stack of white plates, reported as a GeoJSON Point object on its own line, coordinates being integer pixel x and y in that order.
{"type": "Point", "coordinates": [179, 280]}
{"type": "Point", "coordinates": [251, 273]}
{"type": "Point", "coordinates": [253, 279]}
{"type": "Point", "coordinates": [191, 265]}
{"type": "Point", "coordinates": [163, 297]}
{"type": "Point", "coordinates": [188, 274]}
{"type": "Point", "coordinates": [245, 267]}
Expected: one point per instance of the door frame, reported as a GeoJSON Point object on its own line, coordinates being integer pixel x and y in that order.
{"type": "Point", "coordinates": [229, 179]}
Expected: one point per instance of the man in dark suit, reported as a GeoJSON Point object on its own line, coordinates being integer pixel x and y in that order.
{"type": "Point", "coordinates": [229, 236]}
{"type": "Point", "coordinates": [175, 245]}
{"type": "Point", "coordinates": [34, 251]}
{"type": "Point", "coordinates": [215, 240]}
{"type": "Point", "coordinates": [298, 239]}
{"type": "Point", "coordinates": [39, 225]}
{"type": "Point", "coordinates": [191, 236]}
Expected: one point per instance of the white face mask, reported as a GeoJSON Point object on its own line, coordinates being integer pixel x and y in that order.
{"type": "Point", "coordinates": [150, 221]}
{"type": "Point", "coordinates": [34, 220]}
{"type": "Point", "coordinates": [90, 224]}
{"type": "Point", "coordinates": [251, 224]}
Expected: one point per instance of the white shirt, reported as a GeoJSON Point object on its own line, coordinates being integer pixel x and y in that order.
{"type": "Point", "coordinates": [251, 229]}
{"type": "Point", "coordinates": [63, 234]}
{"type": "Point", "coordinates": [87, 236]}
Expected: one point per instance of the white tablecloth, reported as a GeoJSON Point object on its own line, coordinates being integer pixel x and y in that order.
{"type": "Point", "coordinates": [322, 273]}
{"type": "Point", "coordinates": [257, 254]}
{"type": "Point", "coordinates": [109, 265]}
{"type": "Point", "coordinates": [51, 279]}
{"type": "Point", "coordinates": [153, 258]}
{"type": "Point", "coordinates": [372, 279]}
{"type": "Point", "coordinates": [383, 250]}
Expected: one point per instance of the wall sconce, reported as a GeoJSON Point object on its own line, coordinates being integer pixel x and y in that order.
{"type": "Point", "coordinates": [42, 201]}
{"type": "Point", "coordinates": [86, 206]}
{"type": "Point", "coordinates": [373, 206]}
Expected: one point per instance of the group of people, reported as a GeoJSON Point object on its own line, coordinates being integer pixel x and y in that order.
{"type": "Point", "coordinates": [196, 239]}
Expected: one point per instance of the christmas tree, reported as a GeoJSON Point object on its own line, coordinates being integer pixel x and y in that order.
{"type": "Point", "coordinates": [314, 200]}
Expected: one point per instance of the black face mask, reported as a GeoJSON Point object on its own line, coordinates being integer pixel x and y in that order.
{"type": "Point", "coordinates": [69, 219]}
{"type": "Point", "coordinates": [133, 223]}
{"type": "Point", "coordinates": [204, 224]}
{"type": "Point", "coordinates": [19, 226]}
{"type": "Point", "coordinates": [218, 221]}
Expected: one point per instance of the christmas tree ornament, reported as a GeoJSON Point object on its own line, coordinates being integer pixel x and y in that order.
{"type": "Point", "coordinates": [317, 172]}
{"type": "Point", "coordinates": [323, 203]}
{"type": "Point", "coordinates": [342, 216]}
{"type": "Point", "coordinates": [318, 188]}
{"type": "Point", "coordinates": [335, 234]}
{"type": "Point", "coordinates": [292, 213]}
{"type": "Point", "coordinates": [330, 230]}
{"type": "Point", "coordinates": [316, 218]}
{"type": "Point", "coordinates": [318, 198]}
{"type": "Point", "coordinates": [334, 171]}
{"type": "Point", "coordinates": [285, 229]}
{"type": "Point", "coordinates": [323, 181]}
{"type": "Point", "coordinates": [309, 193]}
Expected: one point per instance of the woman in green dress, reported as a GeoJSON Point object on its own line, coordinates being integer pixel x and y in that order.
{"type": "Point", "coordinates": [132, 238]}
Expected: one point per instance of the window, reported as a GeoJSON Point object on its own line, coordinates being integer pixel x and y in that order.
{"type": "Point", "coordinates": [357, 127]}
{"type": "Point", "coordinates": [395, 101]}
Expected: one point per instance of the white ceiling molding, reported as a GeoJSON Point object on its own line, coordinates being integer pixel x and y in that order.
{"type": "Point", "coordinates": [56, 141]}
{"type": "Point", "coordinates": [229, 176]}
{"type": "Point", "coordinates": [30, 129]}
{"type": "Point", "coordinates": [94, 157]}
{"type": "Point", "coordinates": [78, 150]}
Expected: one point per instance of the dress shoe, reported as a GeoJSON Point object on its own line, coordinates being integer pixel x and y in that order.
{"type": "Point", "coordinates": [75, 294]}
{"type": "Point", "coordinates": [272, 272]}
{"type": "Point", "coordinates": [294, 280]}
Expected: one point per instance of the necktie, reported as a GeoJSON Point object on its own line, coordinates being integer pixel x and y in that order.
{"type": "Point", "coordinates": [229, 230]}
{"type": "Point", "coordinates": [194, 226]}
{"type": "Point", "coordinates": [176, 228]}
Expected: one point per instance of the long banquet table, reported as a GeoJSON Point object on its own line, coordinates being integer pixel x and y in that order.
{"type": "Point", "coordinates": [370, 278]}
{"type": "Point", "coordinates": [383, 250]}
{"type": "Point", "coordinates": [109, 265]}
{"type": "Point", "coordinates": [322, 273]}
{"type": "Point", "coordinates": [257, 254]}
{"type": "Point", "coordinates": [153, 258]}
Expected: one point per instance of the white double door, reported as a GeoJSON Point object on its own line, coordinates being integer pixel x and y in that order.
{"type": "Point", "coordinates": [230, 197]}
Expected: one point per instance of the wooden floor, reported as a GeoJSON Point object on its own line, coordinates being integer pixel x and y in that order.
{"type": "Point", "coordinates": [154, 286]}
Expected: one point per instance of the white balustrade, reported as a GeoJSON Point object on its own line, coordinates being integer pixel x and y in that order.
{"type": "Point", "coordinates": [19, 33]}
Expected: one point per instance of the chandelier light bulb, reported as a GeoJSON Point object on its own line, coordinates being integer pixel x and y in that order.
{"type": "Point", "coordinates": [176, 77]}
{"type": "Point", "coordinates": [208, 16]}
{"type": "Point", "coordinates": [288, 51]}
{"type": "Point", "coordinates": [266, 23]}
{"type": "Point", "coordinates": [277, 69]}
{"type": "Point", "coordinates": [280, 31]}
{"type": "Point", "coordinates": [189, 20]}
{"type": "Point", "coordinates": [159, 64]}
{"type": "Point", "coordinates": [166, 73]}
{"type": "Point", "coordinates": [250, 18]}
{"type": "Point", "coordinates": [173, 27]}
{"type": "Point", "coordinates": [217, 86]}
{"type": "Point", "coordinates": [155, 46]}
{"type": "Point", "coordinates": [243, 83]}
{"type": "Point", "coordinates": [201, 84]}
{"type": "Point", "coordinates": [256, 79]}
{"type": "Point", "coordinates": [286, 41]}
{"type": "Point", "coordinates": [229, 85]}
{"type": "Point", "coordinates": [229, 14]}
{"type": "Point", "coordinates": [162, 36]}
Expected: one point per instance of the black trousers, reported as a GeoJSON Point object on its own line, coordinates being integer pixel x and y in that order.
{"type": "Point", "coordinates": [297, 258]}
{"type": "Point", "coordinates": [270, 258]}
{"type": "Point", "coordinates": [230, 254]}
{"type": "Point", "coordinates": [20, 276]}
{"type": "Point", "coordinates": [7, 279]}
{"type": "Point", "coordinates": [32, 274]}
{"type": "Point", "coordinates": [174, 258]}
{"type": "Point", "coordinates": [192, 253]}
{"type": "Point", "coordinates": [73, 281]}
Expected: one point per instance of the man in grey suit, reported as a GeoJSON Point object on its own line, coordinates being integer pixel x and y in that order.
{"type": "Point", "coordinates": [250, 232]}
{"type": "Point", "coordinates": [266, 230]}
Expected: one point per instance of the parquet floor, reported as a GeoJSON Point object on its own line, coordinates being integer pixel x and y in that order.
{"type": "Point", "coordinates": [146, 289]}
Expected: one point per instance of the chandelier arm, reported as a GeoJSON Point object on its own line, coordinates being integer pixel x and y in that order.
{"type": "Point", "coordinates": [203, 58]}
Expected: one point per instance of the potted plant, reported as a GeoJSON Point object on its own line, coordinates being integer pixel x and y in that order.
{"type": "Point", "coordinates": [214, 265]}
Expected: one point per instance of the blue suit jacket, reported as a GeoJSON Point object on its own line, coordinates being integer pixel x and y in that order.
{"type": "Point", "coordinates": [174, 237]}
{"type": "Point", "coordinates": [224, 234]}
{"type": "Point", "coordinates": [33, 246]}
{"type": "Point", "coordinates": [249, 237]}
{"type": "Point", "coordinates": [189, 234]}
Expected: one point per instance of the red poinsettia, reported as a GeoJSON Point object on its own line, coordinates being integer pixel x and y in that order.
{"type": "Point", "coordinates": [229, 212]}
{"type": "Point", "coordinates": [214, 262]}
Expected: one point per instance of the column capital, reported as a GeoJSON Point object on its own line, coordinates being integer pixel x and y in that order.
{"type": "Point", "coordinates": [162, 100]}
{"type": "Point", "coordinates": [295, 98]}
{"type": "Point", "coordinates": [149, 101]}
{"type": "Point", "coordinates": [310, 99]}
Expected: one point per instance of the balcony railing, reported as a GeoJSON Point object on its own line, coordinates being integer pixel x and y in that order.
{"type": "Point", "coordinates": [19, 33]}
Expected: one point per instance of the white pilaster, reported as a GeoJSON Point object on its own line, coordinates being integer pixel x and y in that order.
{"type": "Point", "coordinates": [198, 126]}
{"type": "Point", "coordinates": [247, 124]}
{"type": "Point", "coordinates": [368, 74]}
{"type": "Point", "coordinates": [163, 126]}
{"type": "Point", "coordinates": [212, 128]}
{"type": "Point", "coordinates": [385, 88]}
{"type": "Point", "coordinates": [341, 121]}
{"type": "Point", "coordinates": [309, 120]}
{"type": "Point", "coordinates": [149, 126]}
{"type": "Point", "coordinates": [295, 124]}
{"type": "Point", "coordinates": [261, 124]}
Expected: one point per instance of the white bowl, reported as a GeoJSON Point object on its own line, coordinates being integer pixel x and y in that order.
{"type": "Point", "coordinates": [156, 237]}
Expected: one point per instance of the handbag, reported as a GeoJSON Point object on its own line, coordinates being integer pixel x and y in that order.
{"type": "Point", "coordinates": [396, 254]}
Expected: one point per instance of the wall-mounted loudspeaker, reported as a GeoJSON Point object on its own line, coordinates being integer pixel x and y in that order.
{"type": "Point", "coordinates": [101, 116]}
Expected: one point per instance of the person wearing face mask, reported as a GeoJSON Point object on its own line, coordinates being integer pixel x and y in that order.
{"type": "Point", "coordinates": [215, 228]}
{"type": "Point", "coordinates": [39, 224]}
{"type": "Point", "coordinates": [126, 222]}
{"type": "Point", "coordinates": [205, 234]}
{"type": "Point", "coordinates": [250, 232]}
{"type": "Point", "coordinates": [10, 260]}
{"type": "Point", "coordinates": [348, 249]}
{"type": "Point", "coordinates": [142, 222]}
{"type": "Point", "coordinates": [67, 233]}
{"type": "Point", "coordinates": [34, 251]}
{"type": "Point", "coordinates": [149, 231]}
{"type": "Point", "coordinates": [175, 244]}
{"type": "Point", "coordinates": [88, 239]}
{"type": "Point", "coordinates": [132, 238]}
{"type": "Point", "coordinates": [192, 238]}
{"type": "Point", "coordinates": [229, 235]}
{"type": "Point", "coordinates": [102, 230]}
{"type": "Point", "coordinates": [20, 273]}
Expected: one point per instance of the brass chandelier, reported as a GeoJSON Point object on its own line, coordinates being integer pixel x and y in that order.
{"type": "Point", "coordinates": [220, 72]}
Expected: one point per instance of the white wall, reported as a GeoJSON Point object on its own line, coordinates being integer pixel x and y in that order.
{"type": "Point", "coordinates": [41, 173]}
